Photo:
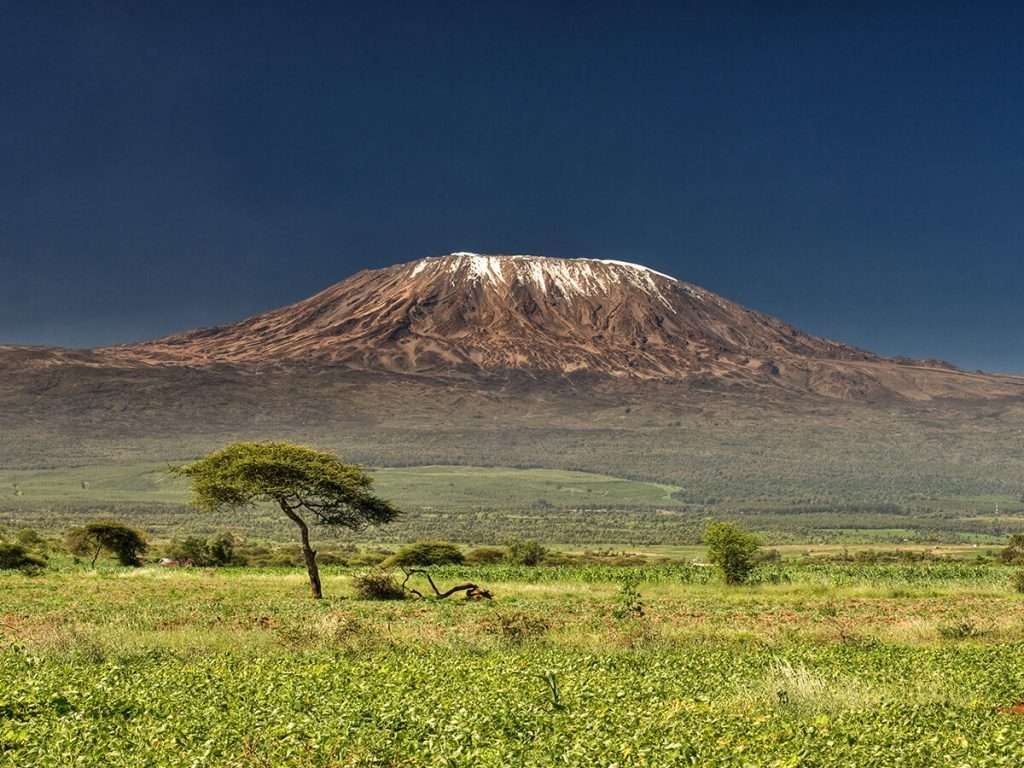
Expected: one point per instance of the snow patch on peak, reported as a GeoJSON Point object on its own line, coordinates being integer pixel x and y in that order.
{"type": "Point", "coordinates": [631, 265]}
{"type": "Point", "coordinates": [580, 277]}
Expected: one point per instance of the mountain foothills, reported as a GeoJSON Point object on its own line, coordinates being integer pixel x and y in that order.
{"type": "Point", "coordinates": [576, 364]}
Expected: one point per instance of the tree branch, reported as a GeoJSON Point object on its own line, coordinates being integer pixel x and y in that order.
{"type": "Point", "coordinates": [473, 591]}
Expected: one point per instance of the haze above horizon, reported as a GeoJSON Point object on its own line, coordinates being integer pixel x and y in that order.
{"type": "Point", "coordinates": [853, 173]}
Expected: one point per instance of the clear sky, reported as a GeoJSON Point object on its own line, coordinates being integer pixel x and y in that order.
{"type": "Point", "coordinates": [859, 173]}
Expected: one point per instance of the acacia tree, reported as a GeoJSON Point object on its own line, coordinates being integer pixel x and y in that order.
{"type": "Point", "coordinates": [124, 542]}
{"type": "Point", "coordinates": [307, 485]}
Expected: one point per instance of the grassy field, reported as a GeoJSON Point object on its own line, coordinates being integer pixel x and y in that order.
{"type": "Point", "coordinates": [814, 666]}
{"type": "Point", "coordinates": [418, 487]}
{"type": "Point", "coordinates": [496, 504]}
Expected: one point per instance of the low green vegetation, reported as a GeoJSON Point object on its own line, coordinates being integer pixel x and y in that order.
{"type": "Point", "coordinates": [732, 549]}
{"type": "Point", "coordinates": [494, 505]}
{"type": "Point", "coordinates": [909, 664]}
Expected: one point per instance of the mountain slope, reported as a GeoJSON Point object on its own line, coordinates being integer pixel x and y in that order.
{"type": "Point", "coordinates": [472, 315]}
{"type": "Point", "coordinates": [523, 361]}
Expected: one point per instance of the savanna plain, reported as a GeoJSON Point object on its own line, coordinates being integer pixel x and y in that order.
{"type": "Point", "coordinates": [897, 663]}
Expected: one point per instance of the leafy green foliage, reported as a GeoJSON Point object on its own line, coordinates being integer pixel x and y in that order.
{"type": "Point", "coordinates": [300, 481]}
{"type": "Point", "coordinates": [527, 552]}
{"type": "Point", "coordinates": [124, 542]}
{"type": "Point", "coordinates": [732, 549]}
{"type": "Point", "coordinates": [426, 553]}
{"type": "Point", "coordinates": [243, 474]}
{"type": "Point", "coordinates": [628, 603]}
{"type": "Point", "coordinates": [227, 669]}
{"type": "Point", "coordinates": [215, 551]}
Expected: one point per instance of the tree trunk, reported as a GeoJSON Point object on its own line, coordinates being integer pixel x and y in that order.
{"type": "Point", "coordinates": [307, 551]}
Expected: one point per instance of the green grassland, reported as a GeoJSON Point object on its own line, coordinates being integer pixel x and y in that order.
{"type": "Point", "coordinates": [827, 666]}
{"type": "Point", "coordinates": [495, 504]}
{"type": "Point", "coordinates": [417, 487]}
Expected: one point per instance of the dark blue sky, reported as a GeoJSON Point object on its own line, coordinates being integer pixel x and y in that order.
{"type": "Point", "coordinates": [858, 173]}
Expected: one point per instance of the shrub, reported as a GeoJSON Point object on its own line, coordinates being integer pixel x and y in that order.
{"type": "Point", "coordinates": [1013, 552]}
{"type": "Point", "coordinates": [732, 549]}
{"type": "Point", "coordinates": [192, 548]}
{"type": "Point", "coordinates": [216, 551]}
{"type": "Point", "coordinates": [377, 585]}
{"type": "Point", "coordinates": [485, 555]}
{"type": "Point", "coordinates": [628, 604]}
{"type": "Point", "coordinates": [220, 549]}
{"type": "Point", "coordinates": [17, 557]}
{"type": "Point", "coordinates": [527, 552]}
{"type": "Point", "coordinates": [1017, 580]}
{"type": "Point", "coordinates": [427, 553]}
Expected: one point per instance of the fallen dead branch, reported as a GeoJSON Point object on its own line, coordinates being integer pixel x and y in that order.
{"type": "Point", "coordinates": [473, 591]}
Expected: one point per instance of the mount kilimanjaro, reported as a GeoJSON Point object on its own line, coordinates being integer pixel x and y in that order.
{"type": "Point", "coordinates": [468, 315]}
{"type": "Point", "coordinates": [528, 361]}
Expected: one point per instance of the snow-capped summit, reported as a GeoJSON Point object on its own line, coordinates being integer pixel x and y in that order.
{"type": "Point", "coordinates": [470, 312]}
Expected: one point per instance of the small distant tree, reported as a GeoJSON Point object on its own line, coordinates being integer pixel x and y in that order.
{"type": "Point", "coordinates": [527, 552]}
{"type": "Point", "coordinates": [305, 484]}
{"type": "Point", "coordinates": [1013, 552]}
{"type": "Point", "coordinates": [426, 553]}
{"type": "Point", "coordinates": [732, 549]}
{"type": "Point", "coordinates": [120, 540]}
{"type": "Point", "coordinates": [216, 551]}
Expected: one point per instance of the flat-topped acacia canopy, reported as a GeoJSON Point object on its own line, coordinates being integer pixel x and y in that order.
{"type": "Point", "coordinates": [303, 482]}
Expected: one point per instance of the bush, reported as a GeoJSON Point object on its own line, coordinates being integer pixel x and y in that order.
{"type": "Point", "coordinates": [1017, 581]}
{"type": "Point", "coordinates": [527, 552]}
{"type": "Point", "coordinates": [16, 557]}
{"type": "Point", "coordinates": [427, 553]}
{"type": "Point", "coordinates": [1013, 552]}
{"type": "Point", "coordinates": [377, 585]}
{"type": "Point", "coordinates": [216, 551]}
{"type": "Point", "coordinates": [220, 549]}
{"type": "Point", "coordinates": [485, 555]}
{"type": "Point", "coordinates": [628, 604]}
{"type": "Point", "coordinates": [192, 548]}
{"type": "Point", "coordinates": [732, 549]}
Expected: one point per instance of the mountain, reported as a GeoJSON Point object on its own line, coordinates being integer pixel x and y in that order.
{"type": "Point", "coordinates": [472, 315]}
{"type": "Point", "coordinates": [529, 361]}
